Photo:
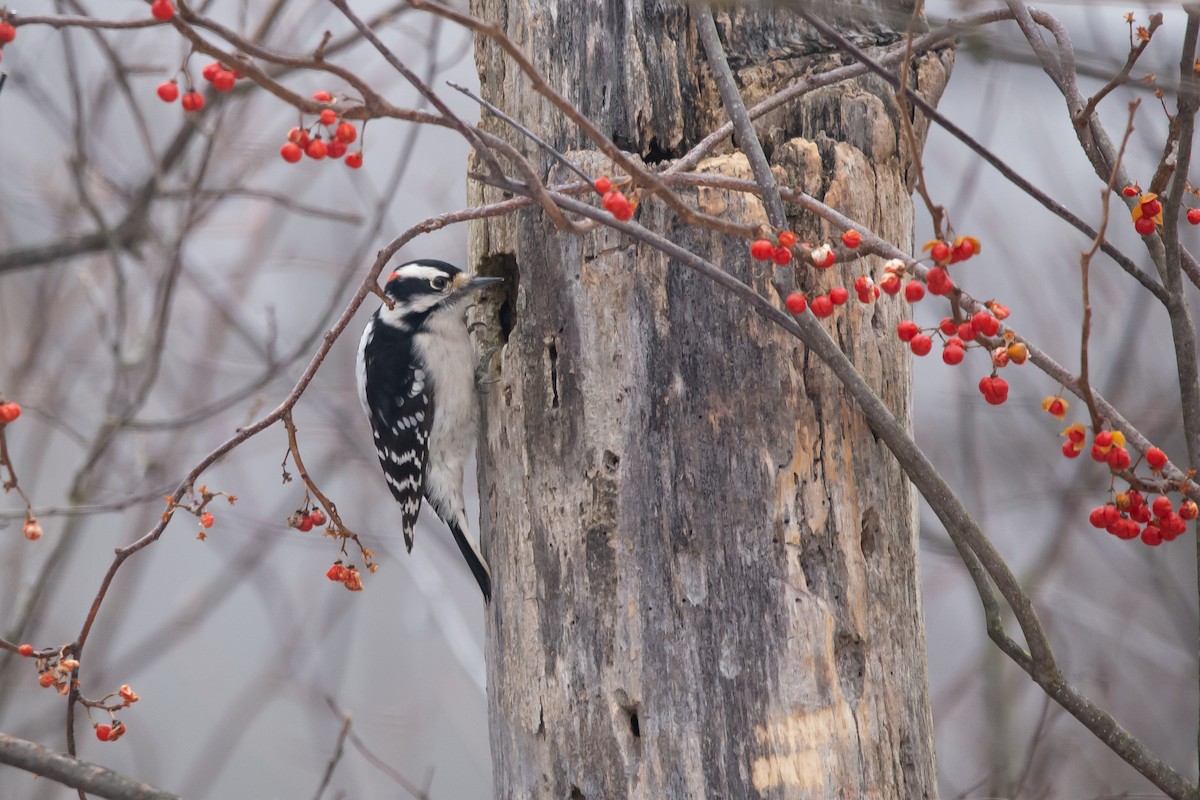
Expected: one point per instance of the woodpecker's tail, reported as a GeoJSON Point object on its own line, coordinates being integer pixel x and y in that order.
{"type": "Point", "coordinates": [470, 551]}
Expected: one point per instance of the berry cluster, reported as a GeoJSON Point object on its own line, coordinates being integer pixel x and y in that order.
{"type": "Point", "coordinates": [219, 76]}
{"type": "Point", "coordinates": [347, 576]}
{"type": "Point", "coordinates": [116, 729]}
{"type": "Point", "coordinates": [1129, 517]}
{"type": "Point", "coordinates": [338, 135]}
{"type": "Point", "coordinates": [305, 521]}
{"type": "Point", "coordinates": [614, 202]}
{"type": "Point", "coordinates": [1126, 516]}
{"type": "Point", "coordinates": [54, 670]}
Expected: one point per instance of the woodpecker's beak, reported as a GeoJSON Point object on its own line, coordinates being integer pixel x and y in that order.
{"type": "Point", "coordinates": [475, 284]}
{"type": "Point", "coordinates": [466, 284]}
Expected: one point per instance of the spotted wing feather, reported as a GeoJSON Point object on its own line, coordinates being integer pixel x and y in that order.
{"type": "Point", "coordinates": [398, 391]}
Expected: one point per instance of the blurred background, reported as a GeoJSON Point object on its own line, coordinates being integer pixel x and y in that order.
{"type": "Point", "coordinates": [131, 368]}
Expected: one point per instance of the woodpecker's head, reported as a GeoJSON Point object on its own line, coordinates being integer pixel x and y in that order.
{"type": "Point", "coordinates": [426, 288]}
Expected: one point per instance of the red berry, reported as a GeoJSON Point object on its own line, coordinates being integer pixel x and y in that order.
{"type": "Point", "coordinates": [921, 345]}
{"type": "Point", "coordinates": [27, 649]}
{"type": "Point", "coordinates": [206, 519]}
{"type": "Point", "coordinates": [947, 326]}
{"type": "Point", "coordinates": [306, 524]}
{"type": "Point", "coordinates": [602, 185]}
{"type": "Point", "coordinates": [9, 412]}
{"type": "Point", "coordinates": [168, 91]}
{"type": "Point", "coordinates": [1193, 216]}
{"type": "Point", "coordinates": [1130, 191]}
{"type": "Point", "coordinates": [223, 80]}
{"type": "Point", "coordinates": [1162, 506]}
{"type": "Point", "coordinates": [316, 150]}
{"type": "Point", "coordinates": [354, 160]}
{"type": "Point", "coordinates": [852, 239]}
{"type": "Point", "coordinates": [953, 354]}
{"type": "Point", "coordinates": [821, 306]}
{"type": "Point", "coordinates": [347, 133]}
{"type": "Point", "coordinates": [994, 390]}
{"type": "Point", "coordinates": [192, 101]}
{"type": "Point", "coordinates": [322, 96]}
{"type": "Point", "coordinates": [1151, 208]}
{"type": "Point", "coordinates": [787, 239]}
{"type": "Point", "coordinates": [940, 252]}
{"type": "Point", "coordinates": [796, 303]}
{"type": "Point", "coordinates": [1145, 226]}
{"type": "Point", "coordinates": [907, 329]}
{"type": "Point", "coordinates": [1152, 536]}
{"type": "Point", "coordinates": [838, 295]}
{"type": "Point", "coordinates": [337, 573]}
{"type": "Point", "coordinates": [291, 152]}
{"type": "Point", "coordinates": [328, 116]}
{"type": "Point", "coordinates": [1104, 439]}
{"type": "Point", "coordinates": [1070, 450]}
{"type": "Point", "coordinates": [7, 32]}
{"type": "Point", "coordinates": [298, 136]}
{"type": "Point", "coordinates": [1140, 513]}
{"type": "Point", "coordinates": [1172, 525]}
{"type": "Point", "coordinates": [1099, 517]}
{"type": "Point", "coordinates": [938, 281]}
{"type": "Point", "coordinates": [46, 680]}
{"type": "Point", "coordinates": [913, 291]}
{"type": "Point", "coordinates": [781, 256]}
{"type": "Point", "coordinates": [317, 516]}
{"type": "Point", "coordinates": [985, 323]}
{"type": "Point", "coordinates": [336, 148]}
{"type": "Point", "coordinates": [1156, 459]}
{"type": "Point", "coordinates": [890, 283]}
{"type": "Point", "coordinates": [210, 71]}
{"type": "Point", "coordinates": [1188, 509]}
{"type": "Point", "coordinates": [623, 210]}
{"type": "Point", "coordinates": [760, 250]}
{"type": "Point", "coordinates": [823, 257]}
{"type": "Point", "coordinates": [104, 731]}
{"type": "Point", "coordinates": [162, 10]}
{"type": "Point", "coordinates": [1118, 458]}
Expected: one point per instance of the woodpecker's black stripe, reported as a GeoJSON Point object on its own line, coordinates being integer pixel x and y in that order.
{"type": "Point", "coordinates": [398, 390]}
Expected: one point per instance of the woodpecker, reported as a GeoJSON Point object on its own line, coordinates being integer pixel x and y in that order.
{"type": "Point", "coordinates": [416, 383]}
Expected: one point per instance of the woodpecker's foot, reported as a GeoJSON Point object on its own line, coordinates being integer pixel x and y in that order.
{"type": "Point", "coordinates": [483, 368]}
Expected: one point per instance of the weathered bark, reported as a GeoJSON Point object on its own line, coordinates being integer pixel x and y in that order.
{"type": "Point", "coordinates": [704, 563]}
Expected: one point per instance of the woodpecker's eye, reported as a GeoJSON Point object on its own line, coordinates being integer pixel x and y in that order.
{"type": "Point", "coordinates": [439, 284]}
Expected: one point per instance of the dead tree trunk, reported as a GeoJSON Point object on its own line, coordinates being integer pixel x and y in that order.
{"type": "Point", "coordinates": [705, 565]}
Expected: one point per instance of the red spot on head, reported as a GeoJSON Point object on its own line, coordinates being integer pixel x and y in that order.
{"type": "Point", "coordinates": [393, 276]}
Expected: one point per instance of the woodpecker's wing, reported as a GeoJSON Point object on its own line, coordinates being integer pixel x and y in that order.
{"type": "Point", "coordinates": [401, 417]}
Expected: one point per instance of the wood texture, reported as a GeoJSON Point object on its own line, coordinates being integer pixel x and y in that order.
{"type": "Point", "coordinates": [705, 565]}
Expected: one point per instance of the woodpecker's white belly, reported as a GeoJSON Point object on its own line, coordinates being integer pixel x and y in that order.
{"type": "Point", "coordinates": [449, 360]}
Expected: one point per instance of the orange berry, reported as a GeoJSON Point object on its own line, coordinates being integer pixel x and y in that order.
{"type": "Point", "coordinates": [25, 650]}
{"type": "Point", "coordinates": [852, 239]}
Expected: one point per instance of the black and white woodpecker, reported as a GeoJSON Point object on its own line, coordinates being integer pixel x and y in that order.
{"type": "Point", "coordinates": [416, 382]}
